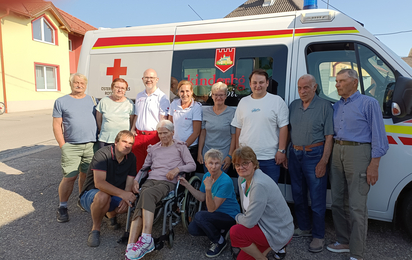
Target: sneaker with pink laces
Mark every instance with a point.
(128, 248)
(140, 249)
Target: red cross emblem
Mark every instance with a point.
(116, 70)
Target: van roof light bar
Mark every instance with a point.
(317, 17)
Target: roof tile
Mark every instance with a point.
(33, 7)
(76, 25)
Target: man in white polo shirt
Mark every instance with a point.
(261, 122)
(152, 106)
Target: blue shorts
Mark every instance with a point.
(88, 196)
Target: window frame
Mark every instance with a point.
(57, 76)
(70, 45)
(359, 63)
(44, 19)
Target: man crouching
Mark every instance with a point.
(108, 186)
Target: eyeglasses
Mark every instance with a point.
(219, 95)
(119, 88)
(149, 78)
(243, 164)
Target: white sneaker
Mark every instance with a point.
(140, 249)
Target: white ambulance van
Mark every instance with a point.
(286, 45)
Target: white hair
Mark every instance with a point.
(214, 154)
(166, 124)
(219, 86)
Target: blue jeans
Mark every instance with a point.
(270, 168)
(302, 166)
(210, 224)
(88, 196)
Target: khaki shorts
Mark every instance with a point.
(75, 158)
(151, 193)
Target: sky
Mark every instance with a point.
(378, 16)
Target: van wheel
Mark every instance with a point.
(407, 212)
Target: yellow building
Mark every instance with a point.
(39, 48)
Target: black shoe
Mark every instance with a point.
(112, 223)
(62, 215)
(216, 249)
(280, 254)
(80, 205)
(94, 238)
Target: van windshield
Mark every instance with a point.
(232, 66)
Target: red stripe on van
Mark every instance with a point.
(228, 35)
(391, 140)
(312, 30)
(409, 121)
(113, 41)
(406, 140)
(162, 39)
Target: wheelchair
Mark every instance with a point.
(178, 206)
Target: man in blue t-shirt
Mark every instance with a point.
(222, 207)
(74, 127)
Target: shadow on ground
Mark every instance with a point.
(29, 230)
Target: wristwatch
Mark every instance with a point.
(282, 151)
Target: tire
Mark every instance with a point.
(2, 108)
(171, 239)
(190, 205)
(407, 212)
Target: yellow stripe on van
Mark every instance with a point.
(399, 129)
(237, 39)
(326, 33)
(132, 45)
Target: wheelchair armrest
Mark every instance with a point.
(181, 174)
(145, 173)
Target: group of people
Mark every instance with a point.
(169, 138)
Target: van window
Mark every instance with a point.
(325, 60)
(199, 67)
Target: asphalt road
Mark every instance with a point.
(29, 178)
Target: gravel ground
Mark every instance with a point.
(29, 230)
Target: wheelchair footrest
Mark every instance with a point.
(160, 241)
(124, 238)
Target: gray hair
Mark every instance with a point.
(311, 77)
(166, 124)
(214, 154)
(71, 79)
(351, 73)
(219, 86)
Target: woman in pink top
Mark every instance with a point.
(166, 159)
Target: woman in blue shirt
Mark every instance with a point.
(222, 207)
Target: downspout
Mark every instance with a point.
(3, 74)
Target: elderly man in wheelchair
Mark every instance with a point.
(166, 159)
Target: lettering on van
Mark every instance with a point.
(225, 59)
(108, 90)
(232, 81)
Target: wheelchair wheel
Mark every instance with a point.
(171, 239)
(190, 204)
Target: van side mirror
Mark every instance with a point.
(402, 97)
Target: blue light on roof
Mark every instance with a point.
(310, 4)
